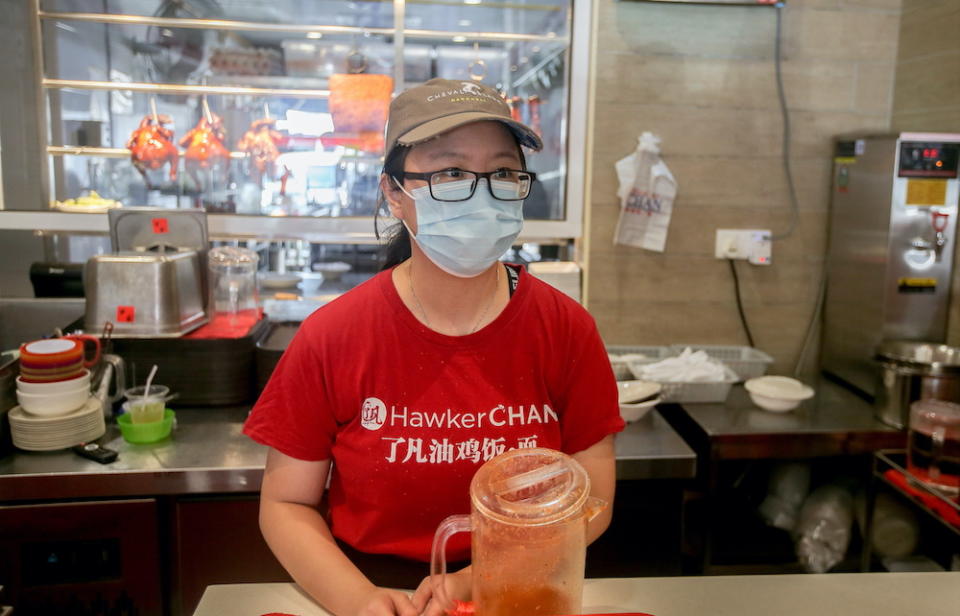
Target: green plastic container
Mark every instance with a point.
(142, 433)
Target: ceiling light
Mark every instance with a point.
(314, 35)
(459, 39)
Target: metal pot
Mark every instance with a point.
(913, 371)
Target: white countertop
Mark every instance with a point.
(846, 594)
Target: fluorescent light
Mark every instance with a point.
(471, 1)
(314, 35)
(463, 23)
(459, 39)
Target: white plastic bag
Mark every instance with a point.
(824, 527)
(647, 190)
(787, 488)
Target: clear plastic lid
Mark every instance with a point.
(232, 256)
(530, 487)
(940, 411)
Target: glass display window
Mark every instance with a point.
(277, 109)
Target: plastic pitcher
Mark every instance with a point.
(529, 514)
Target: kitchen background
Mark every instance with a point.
(702, 78)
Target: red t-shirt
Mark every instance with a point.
(407, 415)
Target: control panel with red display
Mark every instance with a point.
(929, 160)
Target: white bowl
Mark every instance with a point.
(55, 387)
(272, 280)
(638, 410)
(635, 390)
(777, 393)
(53, 404)
(332, 271)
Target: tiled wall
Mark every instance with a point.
(702, 78)
(927, 93)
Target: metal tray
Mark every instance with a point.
(273, 341)
(203, 371)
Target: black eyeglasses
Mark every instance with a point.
(459, 185)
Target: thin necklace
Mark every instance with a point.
(426, 319)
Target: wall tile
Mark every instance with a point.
(777, 331)
(842, 35)
(945, 120)
(644, 276)
(652, 29)
(888, 5)
(928, 82)
(812, 85)
(746, 182)
(873, 92)
(722, 132)
(928, 26)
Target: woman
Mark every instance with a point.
(407, 384)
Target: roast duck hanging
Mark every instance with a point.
(204, 146)
(260, 143)
(151, 146)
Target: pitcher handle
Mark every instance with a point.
(438, 558)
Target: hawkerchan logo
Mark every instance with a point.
(373, 413)
(471, 88)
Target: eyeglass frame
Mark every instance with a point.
(473, 189)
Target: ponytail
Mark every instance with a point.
(396, 250)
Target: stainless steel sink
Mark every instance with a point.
(24, 319)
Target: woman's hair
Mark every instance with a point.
(397, 248)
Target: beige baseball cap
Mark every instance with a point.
(425, 111)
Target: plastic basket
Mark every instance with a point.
(653, 354)
(714, 391)
(746, 362)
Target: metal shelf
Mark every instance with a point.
(894, 460)
(253, 26)
(80, 150)
(169, 88)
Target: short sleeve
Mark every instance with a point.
(591, 411)
(293, 414)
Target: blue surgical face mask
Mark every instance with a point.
(464, 238)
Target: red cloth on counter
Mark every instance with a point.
(945, 511)
(228, 325)
(408, 415)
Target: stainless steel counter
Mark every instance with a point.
(834, 422)
(651, 449)
(208, 454)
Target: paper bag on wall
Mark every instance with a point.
(647, 190)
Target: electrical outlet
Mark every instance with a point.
(754, 245)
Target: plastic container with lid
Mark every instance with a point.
(233, 283)
(934, 444)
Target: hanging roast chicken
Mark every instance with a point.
(260, 143)
(151, 146)
(204, 146)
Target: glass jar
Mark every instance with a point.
(234, 296)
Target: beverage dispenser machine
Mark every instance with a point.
(893, 220)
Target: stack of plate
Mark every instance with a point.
(34, 433)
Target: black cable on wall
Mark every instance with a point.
(736, 289)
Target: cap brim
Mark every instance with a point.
(428, 130)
